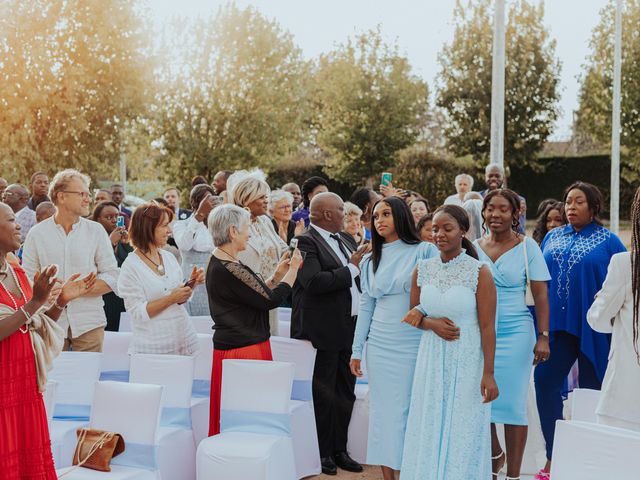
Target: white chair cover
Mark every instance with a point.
(115, 356)
(588, 451)
(49, 397)
(255, 441)
(359, 425)
(303, 423)
(125, 322)
(131, 410)
(201, 387)
(584, 402)
(76, 374)
(202, 323)
(176, 452)
(284, 322)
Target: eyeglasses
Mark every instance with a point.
(84, 195)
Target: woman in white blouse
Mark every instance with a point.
(153, 288)
(613, 312)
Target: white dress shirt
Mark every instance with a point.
(621, 384)
(169, 332)
(355, 271)
(26, 218)
(190, 234)
(84, 250)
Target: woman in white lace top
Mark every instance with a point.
(153, 289)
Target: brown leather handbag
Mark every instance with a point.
(96, 448)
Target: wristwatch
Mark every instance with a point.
(544, 333)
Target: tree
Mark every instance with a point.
(531, 82)
(232, 96)
(368, 106)
(72, 75)
(596, 90)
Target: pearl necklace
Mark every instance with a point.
(24, 328)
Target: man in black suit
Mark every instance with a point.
(325, 303)
(172, 196)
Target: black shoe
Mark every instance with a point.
(345, 462)
(328, 466)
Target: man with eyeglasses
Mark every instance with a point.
(75, 245)
(17, 196)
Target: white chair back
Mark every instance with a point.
(125, 322)
(132, 410)
(202, 367)
(284, 322)
(76, 374)
(115, 356)
(202, 323)
(175, 373)
(588, 451)
(302, 354)
(49, 397)
(583, 404)
(255, 396)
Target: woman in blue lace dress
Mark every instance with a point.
(392, 346)
(448, 427)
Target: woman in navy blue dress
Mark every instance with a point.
(578, 256)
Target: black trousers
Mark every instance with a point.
(333, 398)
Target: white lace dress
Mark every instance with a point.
(447, 435)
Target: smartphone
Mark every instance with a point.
(120, 221)
(292, 246)
(386, 178)
(190, 283)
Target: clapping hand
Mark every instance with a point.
(299, 227)
(43, 283)
(75, 287)
(197, 277)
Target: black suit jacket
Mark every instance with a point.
(321, 295)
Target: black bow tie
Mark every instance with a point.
(343, 248)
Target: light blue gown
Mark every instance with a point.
(515, 335)
(448, 427)
(392, 346)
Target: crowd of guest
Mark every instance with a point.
(454, 306)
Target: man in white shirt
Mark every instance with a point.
(76, 245)
(464, 184)
(17, 196)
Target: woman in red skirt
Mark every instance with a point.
(25, 448)
(239, 300)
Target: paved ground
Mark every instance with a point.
(373, 473)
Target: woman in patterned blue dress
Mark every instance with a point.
(392, 346)
(448, 427)
(578, 256)
(517, 346)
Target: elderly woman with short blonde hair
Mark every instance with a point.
(352, 223)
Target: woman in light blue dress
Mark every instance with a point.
(392, 345)
(518, 346)
(448, 426)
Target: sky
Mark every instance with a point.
(420, 28)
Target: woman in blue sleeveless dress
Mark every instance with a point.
(518, 347)
(448, 427)
(392, 347)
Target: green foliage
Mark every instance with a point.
(531, 82)
(596, 91)
(73, 75)
(232, 95)
(368, 107)
(430, 174)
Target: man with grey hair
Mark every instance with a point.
(75, 245)
(17, 196)
(325, 307)
(494, 177)
(464, 184)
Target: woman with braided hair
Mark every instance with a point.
(616, 310)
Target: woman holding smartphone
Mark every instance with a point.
(152, 286)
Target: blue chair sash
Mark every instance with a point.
(138, 455)
(362, 381)
(201, 388)
(302, 390)
(115, 376)
(255, 422)
(72, 412)
(176, 417)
